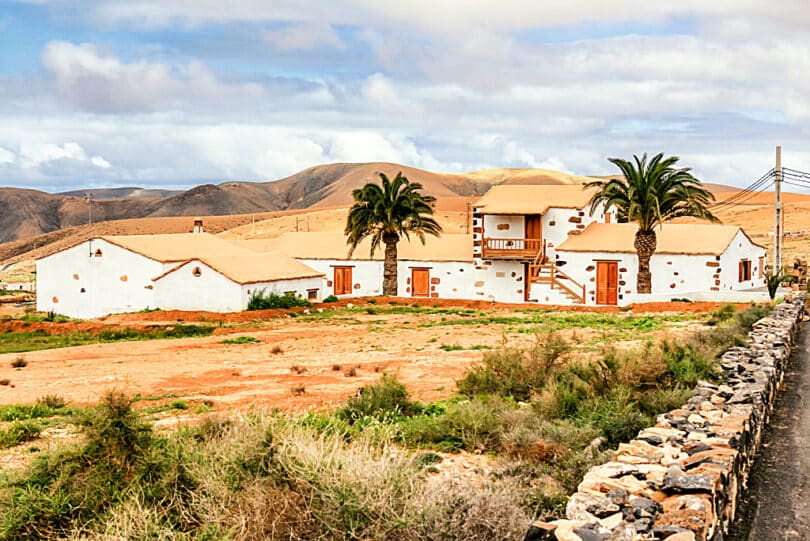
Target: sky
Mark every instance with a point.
(174, 93)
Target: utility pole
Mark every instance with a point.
(778, 228)
(89, 198)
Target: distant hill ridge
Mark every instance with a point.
(26, 213)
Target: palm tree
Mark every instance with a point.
(386, 213)
(651, 193)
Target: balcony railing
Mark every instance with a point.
(511, 248)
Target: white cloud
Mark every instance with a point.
(6, 156)
(97, 81)
(303, 36)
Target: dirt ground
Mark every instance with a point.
(301, 363)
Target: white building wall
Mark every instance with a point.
(742, 248)
(499, 280)
(673, 275)
(559, 224)
(366, 275)
(448, 279)
(504, 226)
(116, 282)
(210, 291)
(300, 287)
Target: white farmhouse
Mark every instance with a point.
(116, 274)
(441, 268)
(699, 261)
(516, 232)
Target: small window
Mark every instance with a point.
(312, 294)
(197, 272)
(98, 252)
(124, 278)
(745, 270)
(75, 276)
(55, 300)
(289, 293)
(81, 290)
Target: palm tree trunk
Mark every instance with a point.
(645, 245)
(390, 265)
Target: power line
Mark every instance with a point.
(747, 193)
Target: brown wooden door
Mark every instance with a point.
(534, 226)
(607, 281)
(420, 282)
(342, 283)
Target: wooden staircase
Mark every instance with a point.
(541, 272)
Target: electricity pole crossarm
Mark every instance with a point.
(779, 220)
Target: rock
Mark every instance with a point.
(682, 536)
(541, 531)
(676, 481)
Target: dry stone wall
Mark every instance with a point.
(680, 480)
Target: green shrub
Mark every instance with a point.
(773, 281)
(241, 340)
(514, 371)
(261, 300)
(330, 298)
(384, 399)
(474, 424)
(687, 365)
(19, 432)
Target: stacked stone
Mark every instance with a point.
(680, 479)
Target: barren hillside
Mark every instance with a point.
(26, 213)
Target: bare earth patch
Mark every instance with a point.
(295, 365)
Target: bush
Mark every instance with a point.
(241, 340)
(52, 401)
(19, 362)
(687, 365)
(261, 300)
(19, 432)
(330, 298)
(773, 281)
(385, 399)
(475, 424)
(516, 372)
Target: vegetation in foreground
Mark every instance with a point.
(18, 342)
(363, 471)
(261, 300)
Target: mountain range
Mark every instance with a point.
(26, 213)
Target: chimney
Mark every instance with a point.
(198, 226)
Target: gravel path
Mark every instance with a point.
(777, 503)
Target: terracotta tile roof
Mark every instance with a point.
(241, 265)
(533, 199)
(318, 245)
(688, 239)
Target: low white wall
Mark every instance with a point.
(118, 281)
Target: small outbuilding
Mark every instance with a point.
(117, 274)
(697, 261)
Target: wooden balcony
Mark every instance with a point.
(511, 248)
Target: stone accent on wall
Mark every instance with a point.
(682, 478)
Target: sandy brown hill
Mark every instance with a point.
(26, 213)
